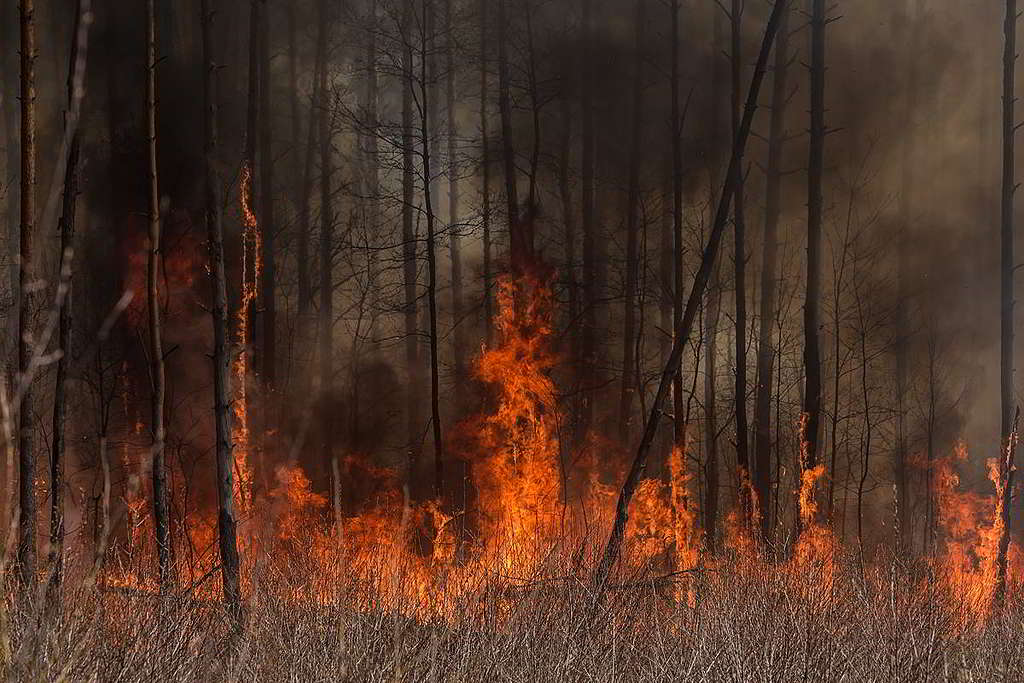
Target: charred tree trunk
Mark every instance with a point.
(1008, 432)
(26, 444)
(712, 314)
(373, 170)
(611, 552)
(226, 522)
(568, 214)
(329, 456)
(740, 263)
(161, 495)
(267, 222)
(454, 246)
(485, 172)
(304, 284)
(815, 205)
(902, 323)
(425, 122)
(75, 87)
(766, 349)
(409, 249)
(520, 232)
(628, 382)
(588, 342)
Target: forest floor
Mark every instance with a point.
(734, 622)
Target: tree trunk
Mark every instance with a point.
(485, 171)
(267, 222)
(425, 123)
(588, 345)
(75, 90)
(26, 445)
(611, 552)
(740, 263)
(712, 313)
(454, 247)
(329, 456)
(373, 170)
(161, 495)
(1008, 432)
(305, 175)
(409, 249)
(628, 383)
(520, 231)
(815, 202)
(902, 323)
(226, 522)
(766, 350)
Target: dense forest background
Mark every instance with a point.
(377, 166)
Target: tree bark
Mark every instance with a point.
(1008, 433)
(485, 172)
(902, 323)
(426, 108)
(766, 349)
(66, 228)
(454, 246)
(740, 263)
(678, 410)
(520, 231)
(588, 344)
(26, 445)
(226, 523)
(161, 495)
(329, 456)
(612, 548)
(304, 174)
(815, 205)
(628, 381)
(267, 223)
(409, 251)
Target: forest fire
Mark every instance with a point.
(461, 340)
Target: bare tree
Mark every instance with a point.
(226, 522)
(66, 225)
(629, 382)
(1008, 433)
(267, 223)
(766, 345)
(161, 495)
(26, 444)
(815, 205)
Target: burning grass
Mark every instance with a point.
(893, 623)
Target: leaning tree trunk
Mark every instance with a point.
(520, 231)
(769, 281)
(227, 525)
(267, 223)
(1008, 432)
(812, 300)
(75, 88)
(161, 495)
(26, 453)
(614, 544)
(628, 381)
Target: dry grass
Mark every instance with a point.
(759, 624)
